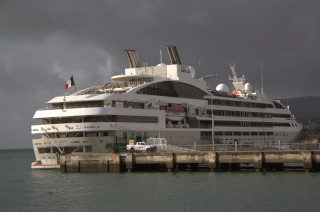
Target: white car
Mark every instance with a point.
(141, 146)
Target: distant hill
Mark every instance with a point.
(305, 109)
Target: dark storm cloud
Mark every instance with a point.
(18, 103)
(43, 42)
(281, 34)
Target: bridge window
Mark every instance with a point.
(173, 89)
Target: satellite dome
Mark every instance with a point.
(222, 87)
(161, 64)
(248, 87)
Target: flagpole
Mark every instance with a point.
(75, 87)
(71, 83)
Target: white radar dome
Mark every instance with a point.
(248, 87)
(222, 87)
(161, 64)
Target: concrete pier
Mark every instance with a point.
(210, 160)
(170, 161)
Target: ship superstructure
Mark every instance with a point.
(159, 101)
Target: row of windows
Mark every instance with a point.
(77, 105)
(208, 124)
(235, 136)
(66, 150)
(246, 114)
(237, 133)
(173, 89)
(232, 103)
(108, 118)
(106, 103)
(76, 134)
(137, 136)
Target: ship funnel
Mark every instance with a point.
(173, 54)
(132, 58)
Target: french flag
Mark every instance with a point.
(69, 83)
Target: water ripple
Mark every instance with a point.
(23, 189)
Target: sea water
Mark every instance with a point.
(24, 189)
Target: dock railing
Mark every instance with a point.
(252, 147)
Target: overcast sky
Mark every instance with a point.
(43, 43)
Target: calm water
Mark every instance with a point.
(23, 189)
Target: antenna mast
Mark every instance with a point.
(233, 69)
(238, 82)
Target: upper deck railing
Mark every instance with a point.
(134, 105)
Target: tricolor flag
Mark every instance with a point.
(69, 83)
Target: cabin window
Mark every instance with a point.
(124, 135)
(131, 135)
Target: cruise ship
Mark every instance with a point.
(165, 101)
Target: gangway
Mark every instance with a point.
(163, 146)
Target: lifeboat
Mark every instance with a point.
(174, 112)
